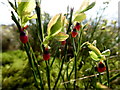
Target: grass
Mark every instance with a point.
(17, 73)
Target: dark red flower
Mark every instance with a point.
(74, 33)
(63, 42)
(23, 37)
(101, 67)
(77, 26)
(46, 55)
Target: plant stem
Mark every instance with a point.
(100, 80)
(70, 20)
(36, 64)
(54, 56)
(65, 50)
(40, 31)
(112, 78)
(75, 62)
(59, 74)
(63, 80)
(48, 73)
(107, 71)
(31, 64)
(16, 21)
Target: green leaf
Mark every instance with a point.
(94, 49)
(88, 7)
(106, 52)
(94, 56)
(27, 18)
(32, 17)
(61, 36)
(101, 86)
(55, 25)
(83, 6)
(25, 7)
(80, 17)
(102, 57)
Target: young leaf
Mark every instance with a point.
(55, 25)
(32, 17)
(27, 18)
(106, 52)
(25, 7)
(84, 5)
(102, 57)
(88, 7)
(93, 56)
(80, 17)
(94, 49)
(101, 86)
(61, 36)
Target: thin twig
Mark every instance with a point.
(88, 76)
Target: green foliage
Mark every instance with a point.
(80, 17)
(93, 55)
(85, 6)
(89, 7)
(61, 36)
(55, 25)
(16, 72)
(106, 52)
(23, 10)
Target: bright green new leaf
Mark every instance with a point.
(94, 56)
(80, 17)
(84, 5)
(32, 17)
(102, 57)
(27, 18)
(88, 7)
(101, 86)
(106, 52)
(61, 36)
(25, 7)
(55, 25)
(94, 49)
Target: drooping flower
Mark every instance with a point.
(77, 26)
(74, 33)
(101, 67)
(46, 54)
(23, 37)
(63, 42)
